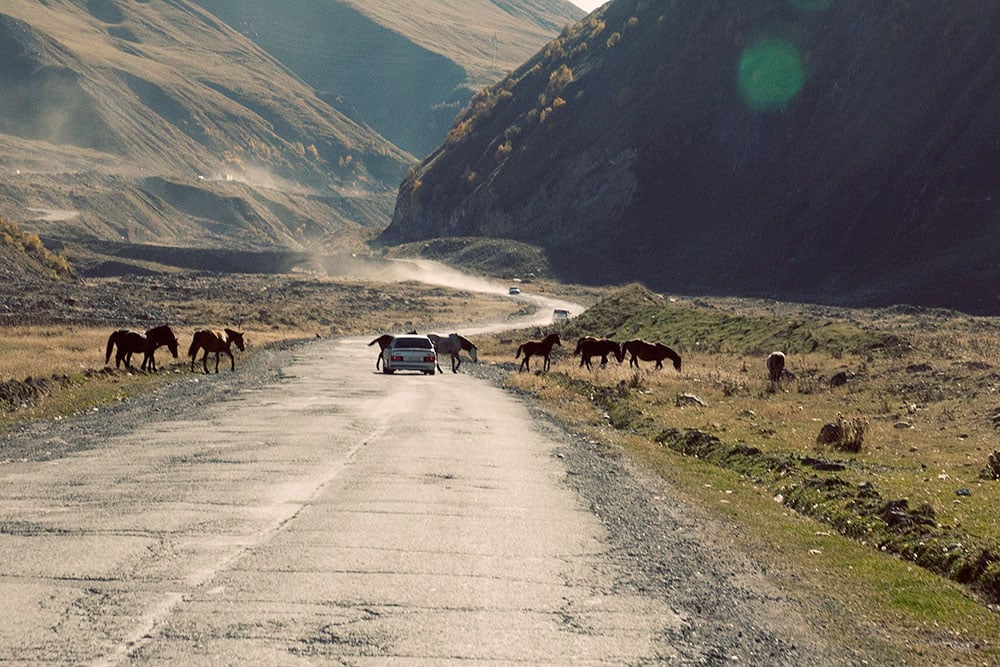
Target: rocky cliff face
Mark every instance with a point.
(843, 152)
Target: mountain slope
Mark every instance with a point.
(156, 122)
(23, 256)
(404, 67)
(843, 152)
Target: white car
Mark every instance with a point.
(514, 290)
(409, 353)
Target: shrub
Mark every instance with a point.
(846, 435)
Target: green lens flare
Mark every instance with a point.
(770, 75)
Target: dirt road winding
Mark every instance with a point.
(314, 510)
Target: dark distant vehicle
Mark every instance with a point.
(560, 315)
(409, 353)
(514, 290)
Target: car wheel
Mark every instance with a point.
(388, 371)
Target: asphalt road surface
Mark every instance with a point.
(314, 511)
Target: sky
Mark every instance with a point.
(588, 5)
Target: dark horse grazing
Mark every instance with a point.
(775, 365)
(588, 347)
(640, 349)
(452, 345)
(218, 342)
(130, 342)
(537, 347)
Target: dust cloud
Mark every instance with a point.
(538, 308)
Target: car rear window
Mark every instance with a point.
(412, 341)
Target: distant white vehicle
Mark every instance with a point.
(514, 290)
(560, 315)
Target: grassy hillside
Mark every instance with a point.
(24, 256)
(156, 122)
(403, 68)
(835, 152)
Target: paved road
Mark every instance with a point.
(336, 513)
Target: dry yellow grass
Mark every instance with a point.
(266, 308)
(40, 351)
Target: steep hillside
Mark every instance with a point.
(404, 67)
(24, 257)
(156, 122)
(843, 152)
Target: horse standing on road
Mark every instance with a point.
(537, 347)
(215, 341)
(589, 347)
(640, 349)
(383, 342)
(452, 345)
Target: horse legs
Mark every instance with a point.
(659, 363)
(545, 365)
(232, 361)
(456, 361)
(525, 366)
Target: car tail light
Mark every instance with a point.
(429, 358)
(396, 357)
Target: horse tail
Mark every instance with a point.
(519, 348)
(111, 345)
(193, 350)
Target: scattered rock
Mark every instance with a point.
(689, 399)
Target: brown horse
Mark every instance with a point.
(640, 349)
(452, 345)
(775, 365)
(537, 347)
(383, 342)
(588, 347)
(215, 341)
(129, 342)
